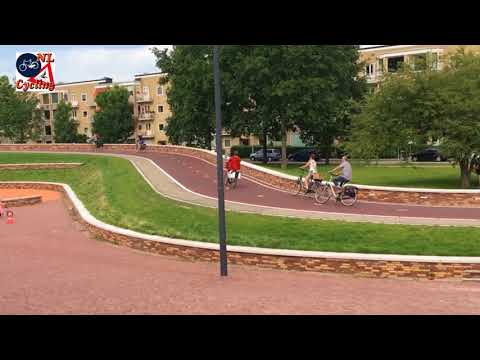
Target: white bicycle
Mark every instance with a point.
(29, 64)
(347, 195)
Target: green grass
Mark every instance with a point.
(441, 177)
(114, 192)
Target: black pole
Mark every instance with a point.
(220, 186)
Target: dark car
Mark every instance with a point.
(303, 155)
(429, 155)
(272, 155)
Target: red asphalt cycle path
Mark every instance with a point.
(200, 177)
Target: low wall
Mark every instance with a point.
(427, 197)
(21, 201)
(391, 266)
(39, 166)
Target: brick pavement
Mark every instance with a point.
(49, 265)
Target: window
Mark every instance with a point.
(245, 142)
(369, 70)
(65, 97)
(145, 91)
(395, 63)
(380, 66)
(74, 114)
(53, 114)
(160, 127)
(48, 130)
(130, 93)
(160, 108)
(435, 61)
(54, 98)
(139, 127)
(162, 143)
(84, 97)
(85, 114)
(73, 97)
(227, 143)
(46, 99)
(47, 114)
(419, 61)
(160, 90)
(147, 126)
(85, 130)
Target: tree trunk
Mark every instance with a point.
(464, 174)
(209, 140)
(264, 147)
(284, 147)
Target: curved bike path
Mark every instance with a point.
(193, 180)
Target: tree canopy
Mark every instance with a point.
(20, 120)
(114, 122)
(65, 127)
(266, 90)
(415, 107)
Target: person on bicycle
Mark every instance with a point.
(140, 143)
(312, 170)
(233, 163)
(346, 174)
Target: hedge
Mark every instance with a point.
(245, 151)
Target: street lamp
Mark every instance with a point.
(220, 186)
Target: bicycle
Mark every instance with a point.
(232, 178)
(313, 186)
(347, 196)
(28, 64)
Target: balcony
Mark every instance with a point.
(141, 98)
(146, 116)
(74, 104)
(92, 103)
(146, 134)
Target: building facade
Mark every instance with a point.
(147, 96)
(381, 60)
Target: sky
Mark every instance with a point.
(79, 63)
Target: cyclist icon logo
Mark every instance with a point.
(28, 65)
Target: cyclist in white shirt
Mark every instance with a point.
(312, 169)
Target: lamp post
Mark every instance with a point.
(220, 185)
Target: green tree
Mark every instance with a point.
(266, 90)
(188, 70)
(20, 120)
(64, 125)
(114, 122)
(415, 107)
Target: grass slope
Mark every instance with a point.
(114, 192)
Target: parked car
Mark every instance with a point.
(272, 155)
(429, 155)
(303, 155)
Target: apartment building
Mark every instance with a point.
(384, 59)
(148, 99)
(151, 108)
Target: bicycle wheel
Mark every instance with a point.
(298, 187)
(322, 194)
(234, 183)
(22, 67)
(349, 195)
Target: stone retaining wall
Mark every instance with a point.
(21, 201)
(362, 267)
(284, 182)
(39, 166)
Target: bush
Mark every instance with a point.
(81, 138)
(245, 151)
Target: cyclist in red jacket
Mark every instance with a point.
(233, 164)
